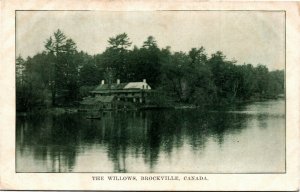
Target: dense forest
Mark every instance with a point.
(61, 75)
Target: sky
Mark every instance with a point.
(256, 37)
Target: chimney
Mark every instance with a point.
(144, 80)
(118, 81)
(102, 82)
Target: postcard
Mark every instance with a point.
(149, 95)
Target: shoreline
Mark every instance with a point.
(177, 106)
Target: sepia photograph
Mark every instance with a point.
(150, 92)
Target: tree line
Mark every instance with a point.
(61, 75)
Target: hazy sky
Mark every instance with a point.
(247, 36)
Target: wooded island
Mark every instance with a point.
(61, 76)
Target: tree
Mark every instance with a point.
(115, 56)
(20, 67)
(261, 75)
(149, 62)
(198, 56)
(32, 89)
(65, 70)
(174, 74)
(150, 42)
(121, 42)
(275, 83)
(247, 81)
(89, 75)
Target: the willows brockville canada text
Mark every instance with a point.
(150, 178)
(63, 77)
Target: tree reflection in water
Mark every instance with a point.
(59, 139)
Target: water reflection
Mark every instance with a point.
(139, 141)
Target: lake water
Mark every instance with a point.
(249, 138)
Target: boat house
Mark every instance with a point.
(118, 95)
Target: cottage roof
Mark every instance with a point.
(104, 99)
(88, 101)
(122, 86)
(113, 86)
(137, 85)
